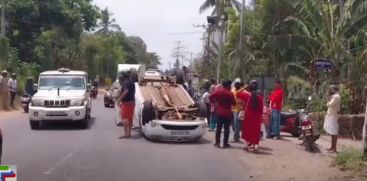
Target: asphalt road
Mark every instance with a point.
(63, 152)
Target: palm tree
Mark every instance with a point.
(107, 25)
(219, 6)
(320, 32)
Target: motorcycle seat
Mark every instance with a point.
(288, 114)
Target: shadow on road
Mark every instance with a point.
(198, 142)
(65, 125)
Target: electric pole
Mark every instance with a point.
(206, 56)
(3, 23)
(241, 32)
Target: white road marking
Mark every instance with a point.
(50, 170)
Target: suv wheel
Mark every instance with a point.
(34, 124)
(84, 123)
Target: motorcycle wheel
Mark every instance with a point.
(309, 143)
(26, 109)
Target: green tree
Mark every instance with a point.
(107, 24)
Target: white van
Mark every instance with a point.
(61, 95)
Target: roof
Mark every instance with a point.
(127, 67)
(71, 72)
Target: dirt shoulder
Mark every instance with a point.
(287, 160)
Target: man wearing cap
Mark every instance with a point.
(4, 91)
(12, 89)
(236, 123)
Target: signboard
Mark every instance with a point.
(323, 64)
(264, 82)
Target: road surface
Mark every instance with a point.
(63, 152)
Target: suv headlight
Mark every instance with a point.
(77, 102)
(37, 102)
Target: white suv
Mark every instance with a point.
(61, 95)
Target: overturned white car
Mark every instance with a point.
(164, 111)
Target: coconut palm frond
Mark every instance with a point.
(206, 5)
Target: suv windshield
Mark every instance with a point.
(67, 82)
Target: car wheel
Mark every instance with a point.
(84, 123)
(134, 75)
(295, 133)
(34, 124)
(148, 112)
(203, 112)
(106, 105)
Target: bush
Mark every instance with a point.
(349, 158)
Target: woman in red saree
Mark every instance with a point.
(253, 110)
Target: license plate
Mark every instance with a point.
(56, 113)
(306, 127)
(180, 132)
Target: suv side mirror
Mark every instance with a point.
(35, 86)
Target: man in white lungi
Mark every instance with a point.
(331, 125)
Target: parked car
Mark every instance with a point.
(110, 94)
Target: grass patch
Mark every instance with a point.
(350, 158)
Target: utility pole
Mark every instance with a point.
(241, 32)
(208, 29)
(3, 23)
(220, 27)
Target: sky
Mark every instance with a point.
(161, 23)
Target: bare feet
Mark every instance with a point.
(123, 137)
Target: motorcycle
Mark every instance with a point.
(93, 92)
(298, 123)
(25, 101)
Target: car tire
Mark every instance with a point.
(180, 77)
(34, 124)
(106, 105)
(203, 112)
(148, 112)
(84, 123)
(134, 75)
(295, 133)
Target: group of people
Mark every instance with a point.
(8, 90)
(242, 107)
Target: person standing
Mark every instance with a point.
(206, 101)
(236, 123)
(224, 100)
(28, 87)
(4, 90)
(331, 125)
(276, 102)
(253, 114)
(127, 103)
(12, 89)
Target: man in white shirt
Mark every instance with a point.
(12, 89)
(4, 91)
